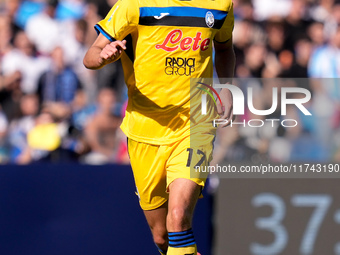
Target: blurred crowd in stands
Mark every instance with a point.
(53, 109)
(275, 40)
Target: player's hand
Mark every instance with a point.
(112, 52)
(226, 110)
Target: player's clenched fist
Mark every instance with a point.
(112, 51)
(103, 52)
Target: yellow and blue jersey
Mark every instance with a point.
(168, 43)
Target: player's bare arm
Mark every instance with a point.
(225, 66)
(103, 52)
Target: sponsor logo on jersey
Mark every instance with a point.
(175, 40)
(180, 66)
(162, 15)
(209, 19)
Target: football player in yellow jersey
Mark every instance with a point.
(163, 44)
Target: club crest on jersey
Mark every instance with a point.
(209, 19)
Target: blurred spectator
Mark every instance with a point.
(23, 59)
(276, 35)
(106, 140)
(323, 10)
(75, 48)
(255, 57)
(265, 9)
(296, 23)
(92, 18)
(44, 138)
(316, 33)
(82, 112)
(325, 60)
(44, 30)
(26, 10)
(70, 9)
(299, 68)
(59, 83)
(112, 76)
(19, 128)
(245, 34)
(244, 10)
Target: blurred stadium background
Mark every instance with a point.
(57, 119)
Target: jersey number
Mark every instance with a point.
(200, 162)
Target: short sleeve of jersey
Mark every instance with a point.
(224, 34)
(120, 21)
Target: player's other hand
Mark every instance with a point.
(226, 110)
(112, 51)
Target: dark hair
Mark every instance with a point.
(53, 3)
